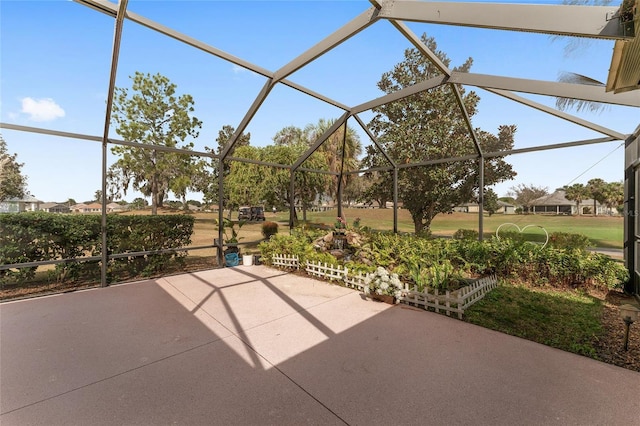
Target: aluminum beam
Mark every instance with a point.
(417, 42)
(467, 120)
(110, 9)
(557, 113)
(401, 94)
(81, 136)
(347, 31)
(266, 89)
(375, 141)
(339, 122)
(548, 88)
(115, 54)
(581, 21)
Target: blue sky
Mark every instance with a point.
(54, 73)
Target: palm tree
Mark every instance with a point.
(578, 193)
(596, 187)
(332, 149)
(613, 195)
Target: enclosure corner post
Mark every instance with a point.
(292, 201)
(220, 210)
(481, 198)
(395, 199)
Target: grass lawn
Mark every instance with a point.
(565, 320)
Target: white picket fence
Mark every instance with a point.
(285, 261)
(448, 301)
(328, 272)
(356, 282)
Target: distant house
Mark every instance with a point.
(55, 208)
(87, 208)
(28, 203)
(557, 203)
(504, 208)
(114, 208)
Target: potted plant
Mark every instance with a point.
(383, 286)
(230, 242)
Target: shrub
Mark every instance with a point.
(466, 234)
(40, 236)
(269, 229)
(565, 240)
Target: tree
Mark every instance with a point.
(153, 115)
(139, 203)
(613, 195)
(244, 184)
(427, 126)
(491, 204)
(13, 184)
(578, 193)
(209, 180)
(307, 185)
(334, 150)
(596, 188)
(526, 194)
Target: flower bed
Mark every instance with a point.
(383, 283)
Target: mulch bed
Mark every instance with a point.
(610, 347)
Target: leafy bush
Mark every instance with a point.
(297, 244)
(269, 229)
(40, 236)
(442, 263)
(466, 234)
(565, 240)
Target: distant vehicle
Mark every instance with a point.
(252, 214)
(257, 213)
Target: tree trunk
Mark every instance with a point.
(595, 212)
(154, 197)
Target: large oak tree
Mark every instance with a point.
(427, 126)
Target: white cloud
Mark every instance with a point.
(237, 69)
(41, 109)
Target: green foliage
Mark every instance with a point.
(466, 234)
(426, 126)
(578, 193)
(298, 244)
(490, 203)
(269, 229)
(230, 231)
(147, 233)
(154, 116)
(13, 183)
(39, 236)
(565, 240)
(444, 263)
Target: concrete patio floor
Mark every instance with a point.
(254, 345)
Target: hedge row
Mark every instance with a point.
(39, 236)
(437, 262)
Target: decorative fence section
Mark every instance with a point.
(447, 301)
(329, 272)
(356, 282)
(285, 261)
(476, 291)
(450, 302)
